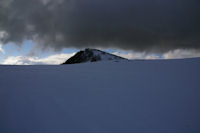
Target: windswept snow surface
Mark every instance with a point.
(161, 96)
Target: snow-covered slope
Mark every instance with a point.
(104, 97)
(92, 55)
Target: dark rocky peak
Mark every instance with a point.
(92, 55)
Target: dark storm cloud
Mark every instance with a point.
(144, 25)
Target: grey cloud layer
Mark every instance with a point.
(143, 25)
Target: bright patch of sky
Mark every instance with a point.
(15, 52)
(12, 49)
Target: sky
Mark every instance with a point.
(49, 31)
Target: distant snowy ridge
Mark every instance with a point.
(92, 55)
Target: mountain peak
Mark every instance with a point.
(92, 55)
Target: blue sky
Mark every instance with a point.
(24, 49)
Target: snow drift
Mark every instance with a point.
(160, 96)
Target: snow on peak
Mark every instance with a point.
(92, 55)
